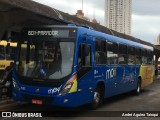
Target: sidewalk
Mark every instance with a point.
(157, 77)
(6, 101)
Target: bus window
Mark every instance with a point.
(122, 58)
(138, 56)
(32, 52)
(2, 56)
(150, 57)
(100, 52)
(144, 56)
(131, 55)
(112, 53)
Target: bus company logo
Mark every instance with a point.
(6, 114)
(54, 90)
(110, 73)
(20, 115)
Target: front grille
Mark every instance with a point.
(45, 99)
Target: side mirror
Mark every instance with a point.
(84, 50)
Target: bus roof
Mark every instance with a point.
(109, 37)
(88, 31)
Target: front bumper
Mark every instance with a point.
(67, 100)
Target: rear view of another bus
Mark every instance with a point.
(7, 52)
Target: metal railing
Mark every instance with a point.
(4, 92)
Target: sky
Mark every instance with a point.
(145, 14)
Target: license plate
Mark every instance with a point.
(39, 102)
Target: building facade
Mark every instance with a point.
(118, 15)
(157, 41)
(80, 15)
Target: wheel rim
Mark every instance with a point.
(96, 97)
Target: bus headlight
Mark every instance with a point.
(15, 85)
(70, 86)
(66, 89)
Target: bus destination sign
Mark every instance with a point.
(57, 33)
(43, 33)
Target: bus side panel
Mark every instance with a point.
(130, 77)
(126, 78)
(85, 90)
(111, 81)
(146, 73)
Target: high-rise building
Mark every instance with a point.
(118, 15)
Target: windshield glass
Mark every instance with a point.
(2, 56)
(45, 59)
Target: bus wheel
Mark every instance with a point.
(138, 89)
(98, 98)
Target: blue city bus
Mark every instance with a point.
(72, 65)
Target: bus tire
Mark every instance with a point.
(98, 98)
(138, 88)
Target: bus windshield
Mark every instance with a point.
(45, 59)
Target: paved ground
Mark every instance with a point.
(148, 100)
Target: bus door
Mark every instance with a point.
(85, 71)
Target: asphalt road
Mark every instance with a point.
(113, 108)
